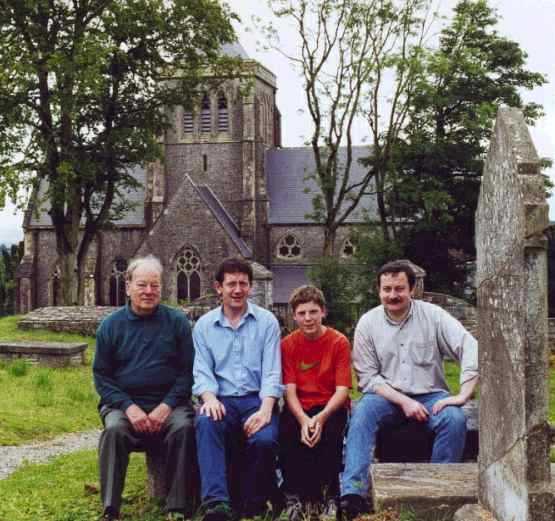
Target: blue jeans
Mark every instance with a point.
(214, 442)
(373, 412)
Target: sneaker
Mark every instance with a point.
(329, 511)
(218, 511)
(293, 510)
(352, 506)
(175, 516)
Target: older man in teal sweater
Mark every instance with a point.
(143, 374)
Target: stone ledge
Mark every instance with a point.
(427, 487)
(52, 354)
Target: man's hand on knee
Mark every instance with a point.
(158, 416)
(444, 402)
(138, 418)
(255, 422)
(212, 407)
(415, 410)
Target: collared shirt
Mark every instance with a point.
(238, 361)
(408, 355)
(144, 360)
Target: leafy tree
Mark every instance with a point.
(9, 260)
(82, 100)
(337, 281)
(351, 53)
(439, 165)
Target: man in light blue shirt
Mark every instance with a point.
(237, 375)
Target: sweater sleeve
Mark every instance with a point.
(106, 386)
(181, 389)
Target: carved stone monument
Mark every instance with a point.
(512, 215)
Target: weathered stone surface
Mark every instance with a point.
(438, 488)
(73, 319)
(473, 513)
(51, 354)
(511, 277)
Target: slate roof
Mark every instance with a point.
(286, 169)
(286, 279)
(222, 216)
(135, 216)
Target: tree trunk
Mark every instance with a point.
(329, 241)
(69, 278)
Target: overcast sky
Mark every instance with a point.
(529, 22)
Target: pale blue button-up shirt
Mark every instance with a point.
(240, 361)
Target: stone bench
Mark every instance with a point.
(51, 354)
(412, 442)
(431, 491)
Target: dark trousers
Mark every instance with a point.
(118, 439)
(216, 440)
(312, 473)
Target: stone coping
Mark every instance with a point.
(427, 487)
(47, 348)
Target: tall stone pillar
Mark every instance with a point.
(512, 215)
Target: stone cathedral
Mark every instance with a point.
(225, 187)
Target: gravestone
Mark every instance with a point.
(513, 465)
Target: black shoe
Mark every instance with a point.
(218, 511)
(352, 506)
(109, 515)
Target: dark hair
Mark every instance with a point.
(233, 265)
(307, 293)
(395, 267)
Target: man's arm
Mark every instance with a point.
(465, 392)
(107, 387)
(205, 385)
(411, 408)
(367, 367)
(270, 384)
(181, 389)
(103, 371)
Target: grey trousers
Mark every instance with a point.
(118, 439)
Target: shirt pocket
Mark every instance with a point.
(422, 353)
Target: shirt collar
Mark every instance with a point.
(221, 320)
(131, 315)
(401, 323)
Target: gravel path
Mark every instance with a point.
(13, 456)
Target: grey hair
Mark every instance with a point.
(137, 262)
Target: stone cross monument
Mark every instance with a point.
(512, 215)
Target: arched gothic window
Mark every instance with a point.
(289, 247)
(188, 275)
(348, 248)
(223, 114)
(205, 115)
(188, 122)
(118, 295)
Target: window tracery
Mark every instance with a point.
(289, 247)
(188, 275)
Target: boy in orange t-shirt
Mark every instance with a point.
(316, 362)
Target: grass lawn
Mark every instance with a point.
(66, 489)
(42, 402)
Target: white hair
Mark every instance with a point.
(149, 260)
